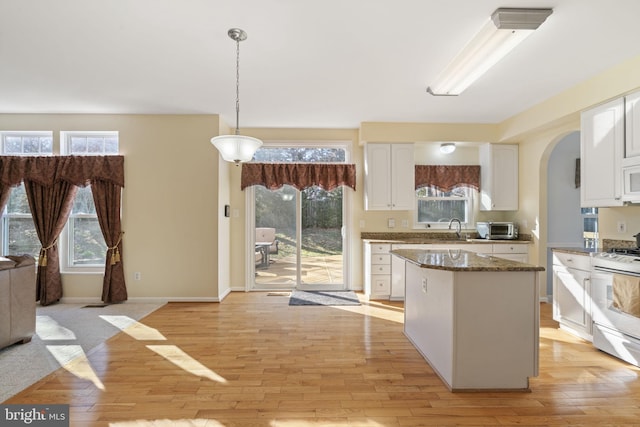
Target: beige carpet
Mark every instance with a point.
(63, 332)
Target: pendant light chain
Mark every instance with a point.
(238, 87)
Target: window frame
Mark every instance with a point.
(5, 216)
(65, 242)
(471, 207)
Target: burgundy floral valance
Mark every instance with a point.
(299, 175)
(76, 170)
(447, 177)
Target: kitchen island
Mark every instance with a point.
(473, 317)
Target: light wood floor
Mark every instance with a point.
(254, 361)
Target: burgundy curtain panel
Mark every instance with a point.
(107, 197)
(50, 208)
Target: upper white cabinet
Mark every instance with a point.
(602, 142)
(389, 177)
(631, 160)
(632, 130)
(498, 177)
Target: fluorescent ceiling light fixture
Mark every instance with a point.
(504, 31)
(237, 148)
(447, 147)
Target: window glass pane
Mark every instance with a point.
(83, 203)
(46, 144)
(88, 244)
(300, 154)
(31, 145)
(78, 145)
(435, 205)
(22, 237)
(441, 210)
(13, 145)
(111, 145)
(18, 203)
(95, 145)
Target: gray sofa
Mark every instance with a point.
(17, 299)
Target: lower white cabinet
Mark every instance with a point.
(572, 293)
(511, 251)
(461, 323)
(377, 270)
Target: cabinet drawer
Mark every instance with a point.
(580, 262)
(380, 248)
(381, 269)
(380, 285)
(377, 259)
(510, 248)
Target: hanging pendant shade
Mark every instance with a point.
(237, 148)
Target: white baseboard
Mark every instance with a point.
(142, 300)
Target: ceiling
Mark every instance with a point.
(305, 64)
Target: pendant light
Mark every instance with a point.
(237, 148)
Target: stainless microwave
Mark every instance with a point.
(497, 230)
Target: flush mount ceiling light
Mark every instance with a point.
(237, 148)
(506, 29)
(447, 147)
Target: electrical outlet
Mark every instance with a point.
(362, 223)
(137, 276)
(391, 223)
(424, 285)
(405, 223)
(622, 227)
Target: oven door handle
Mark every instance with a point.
(614, 271)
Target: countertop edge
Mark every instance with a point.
(501, 263)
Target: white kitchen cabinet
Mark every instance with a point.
(478, 330)
(601, 151)
(632, 129)
(512, 251)
(498, 177)
(377, 270)
(389, 177)
(571, 293)
(631, 160)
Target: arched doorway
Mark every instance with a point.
(565, 221)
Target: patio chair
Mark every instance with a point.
(267, 235)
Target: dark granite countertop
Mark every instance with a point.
(460, 260)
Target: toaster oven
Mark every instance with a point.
(497, 230)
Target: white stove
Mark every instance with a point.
(618, 260)
(614, 331)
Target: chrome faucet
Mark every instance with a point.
(458, 228)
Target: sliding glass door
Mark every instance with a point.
(299, 237)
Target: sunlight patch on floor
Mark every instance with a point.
(182, 360)
(134, 329)
(73, 359)
(50, 330)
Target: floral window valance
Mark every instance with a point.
(447, 177)
(47, 170)
(299, 175)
